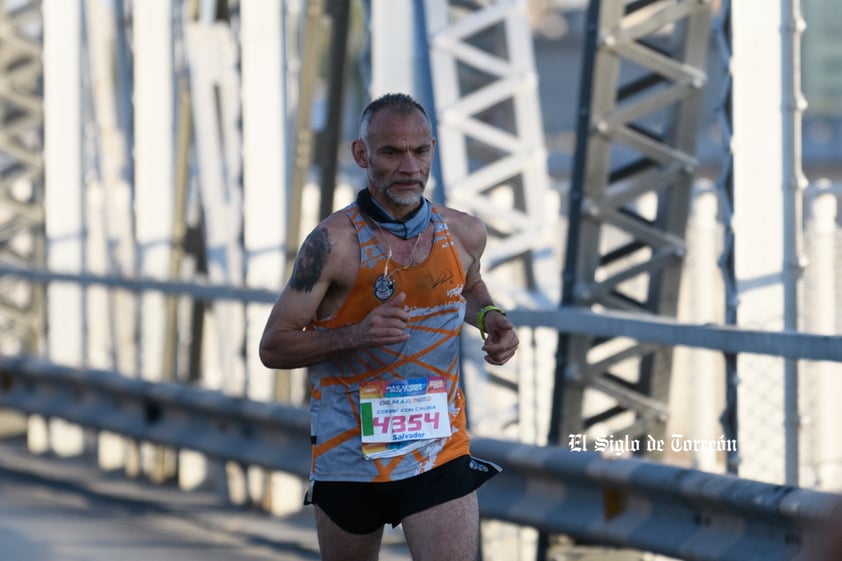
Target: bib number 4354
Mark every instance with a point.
(385, 423)
(397, 424)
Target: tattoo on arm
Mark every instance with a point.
(311, 261)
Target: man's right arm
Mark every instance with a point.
(289, 341)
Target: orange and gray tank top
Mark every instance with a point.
(436, 307)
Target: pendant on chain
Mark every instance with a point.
(384, 287)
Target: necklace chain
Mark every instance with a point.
(384, 285)
(386, 273)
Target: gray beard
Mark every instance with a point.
(410, 200)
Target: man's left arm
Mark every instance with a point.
(499, 335)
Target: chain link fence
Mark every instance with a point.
(699, 375)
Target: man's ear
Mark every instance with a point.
(358, 150)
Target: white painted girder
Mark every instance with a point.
(212, 54)
(514, 82)
(64, 195)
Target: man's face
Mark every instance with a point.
(397, 158)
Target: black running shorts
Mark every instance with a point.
(361, 508)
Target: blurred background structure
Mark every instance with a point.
(660, 180)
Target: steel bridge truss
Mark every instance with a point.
(642, 81)
(491, 139)
(21, 173)
(494, 165)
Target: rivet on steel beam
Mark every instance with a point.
(589, 208)
(599, 126)
(607, 41)
(573, 374)
(583, 293)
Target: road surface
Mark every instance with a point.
(60, 509)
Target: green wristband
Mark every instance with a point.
(481, 318)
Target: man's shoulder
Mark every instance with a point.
(337, 223)
(335, 241)
(337, 230)
(453, 215)
(465, 226)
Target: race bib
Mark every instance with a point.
(399, 411)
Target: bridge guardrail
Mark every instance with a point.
(634, 503)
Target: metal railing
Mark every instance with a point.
(634, 503)
(657, 330)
